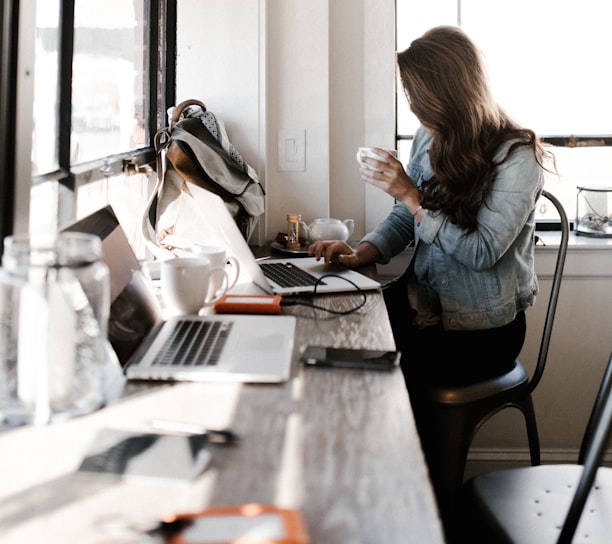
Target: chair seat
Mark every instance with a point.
(504, 501)
(494, 387)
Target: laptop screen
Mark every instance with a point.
(134, 307)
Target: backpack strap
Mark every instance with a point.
(179, 108)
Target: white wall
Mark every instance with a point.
(579, 350)
(362, 103)
(298, 98)
(221, 61)
(325, 67)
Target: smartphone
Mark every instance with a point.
(350, 358)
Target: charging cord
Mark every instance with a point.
(317, 307)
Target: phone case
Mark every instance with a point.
(245, 524)
(248, 304)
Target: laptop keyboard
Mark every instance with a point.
(288, 275)
(194, 343)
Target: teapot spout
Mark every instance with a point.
(305, 230)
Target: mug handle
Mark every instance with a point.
(233, 262)
(222, 290)
(350, 224)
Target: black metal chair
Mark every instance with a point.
(546, 504)
(456, 413)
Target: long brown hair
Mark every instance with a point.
(445, 81)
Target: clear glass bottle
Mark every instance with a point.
(60, 290)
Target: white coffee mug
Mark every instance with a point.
(363, 152)
(219, 258)
(187, 284)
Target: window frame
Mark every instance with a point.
(160, 93)
(9, 20)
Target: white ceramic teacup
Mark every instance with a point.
(363, 152)
(187, 284)
(219, 258)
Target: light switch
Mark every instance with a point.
(291, 150)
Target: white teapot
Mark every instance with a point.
(327, 229)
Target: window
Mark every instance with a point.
(545, 61)
(101, 85)
(8, 71)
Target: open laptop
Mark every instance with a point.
(238, 348)
(219, 228)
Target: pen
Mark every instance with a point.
(223, 436)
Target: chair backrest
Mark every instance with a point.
(596, 438)
(554, 292)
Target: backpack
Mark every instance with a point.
(194, 150)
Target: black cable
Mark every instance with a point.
(317, 307)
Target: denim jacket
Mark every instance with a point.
(476, 280)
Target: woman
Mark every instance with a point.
(467, 200)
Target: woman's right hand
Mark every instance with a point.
(334, 251)
(390, 176)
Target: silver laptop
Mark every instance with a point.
(237, 348)
(219, 228)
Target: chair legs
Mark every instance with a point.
(446, 433)
(532, 429)
(446, 438)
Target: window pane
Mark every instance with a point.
(547, 61)
(127, 195)
(109, 74)
(577, 167)
(43, 213)
(412, 21)
(45, 106)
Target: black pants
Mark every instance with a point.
(435, 356)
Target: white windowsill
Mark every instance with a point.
(587, 256)
(576, 241)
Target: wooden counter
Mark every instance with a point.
(339, 445)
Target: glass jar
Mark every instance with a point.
(12, 409)
(55, 340)
(594, 211)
